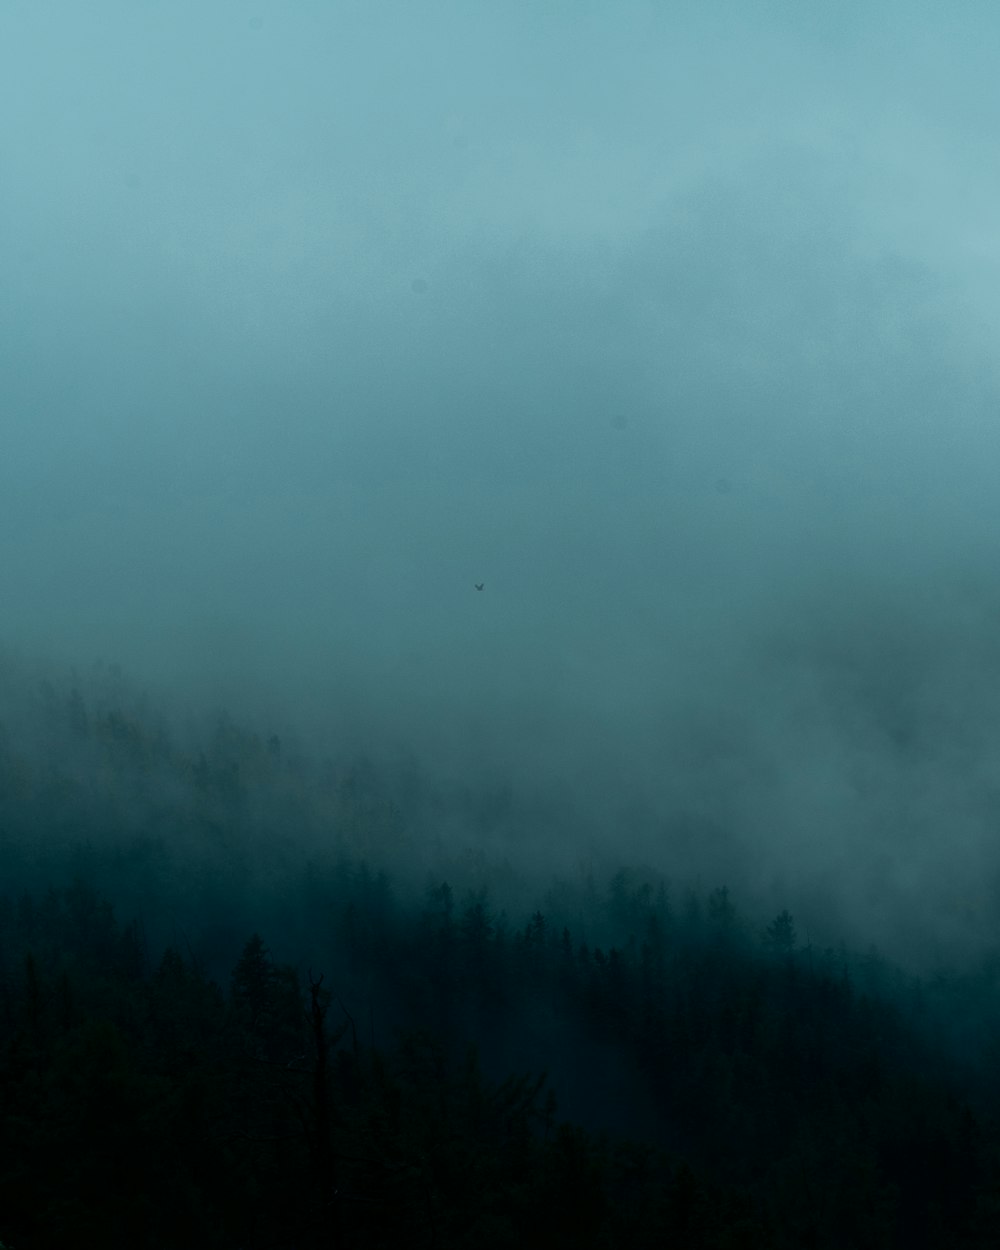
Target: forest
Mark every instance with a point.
(499, 546)
(241, 1007)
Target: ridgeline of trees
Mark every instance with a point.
(612, 1067)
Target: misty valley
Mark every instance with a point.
(499, 625)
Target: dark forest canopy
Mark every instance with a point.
(257, 986)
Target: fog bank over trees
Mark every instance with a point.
(674, 329)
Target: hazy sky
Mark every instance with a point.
(674, 324)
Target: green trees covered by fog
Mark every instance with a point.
(219, 1029)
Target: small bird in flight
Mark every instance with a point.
(480, 585)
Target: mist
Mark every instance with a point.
(673, 327)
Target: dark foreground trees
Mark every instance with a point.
(716, 1092)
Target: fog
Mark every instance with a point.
(671, 325)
